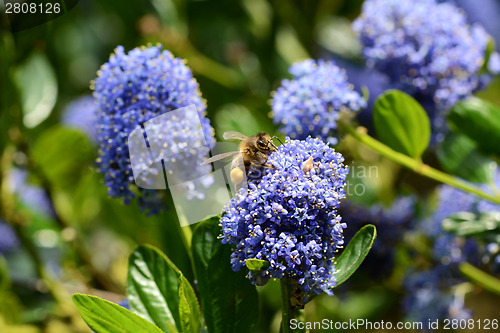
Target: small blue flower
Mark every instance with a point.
(130, 90)
(310, 103)
(31, 195)
(8, 238)
(427, 49)
(289, 217)
(81, 114)
(125, 303)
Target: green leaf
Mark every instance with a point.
(256, 264)
(36, 81)
(230, 302)
(401, 123)
(4, 276)
(107, 317)
(480, 121)
(355, 252)
(63, 154)
(481, 278)
(459, 156)
(468, 224)
(189, 309)
(158, 292)
(490, 48)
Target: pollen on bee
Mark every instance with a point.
(236, 176)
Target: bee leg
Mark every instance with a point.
(263, 164)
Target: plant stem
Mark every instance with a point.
(416, 165)
(288, 312)
(481, 278)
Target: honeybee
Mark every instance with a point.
(253, 151)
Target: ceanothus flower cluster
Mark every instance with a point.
(430, 291)
(430, 297)
(289, 217)
(131, 89)
(310, 103)
(427, 49)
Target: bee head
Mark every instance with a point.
(264, 142)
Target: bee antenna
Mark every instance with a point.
(276, 137)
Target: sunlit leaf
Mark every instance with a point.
(256, 264)
(469, 224)
(37, 85)
(107, 317)
(158, 291)
(355, 252)
(401, 123)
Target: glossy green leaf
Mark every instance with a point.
(37, 85)
(459, 156)
(480, 121)
(159, 292)
(106, 317)
(355, 252)
(256, 264)
(469, 224)
(189, 309)
(229, 301)
(401, 123)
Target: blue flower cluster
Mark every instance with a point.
(427, 49)
(130, 90)
(486, 14)
(310, 103)
(391, 222)
(430, 298)
(81, 114)
(432, 289)
(289, 217)
(450, 249)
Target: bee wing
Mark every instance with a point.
(238, 162)
(220, 157)
(233, 135)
